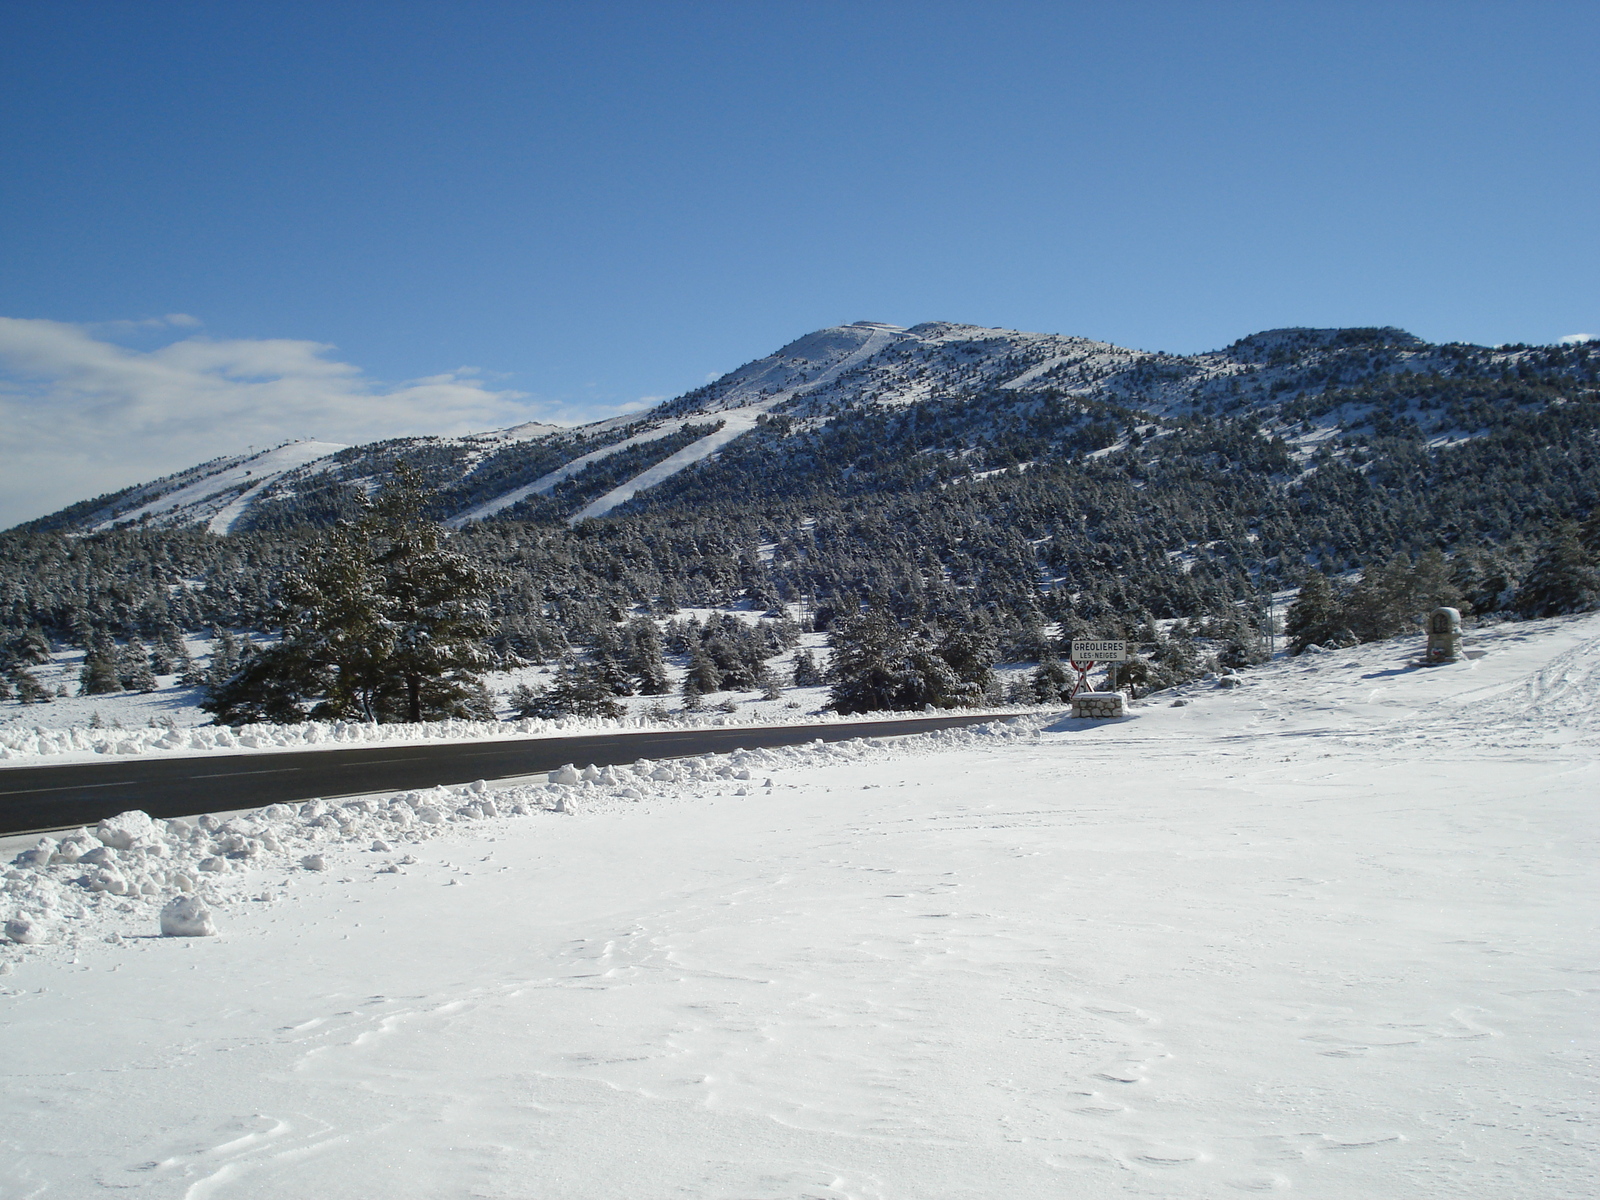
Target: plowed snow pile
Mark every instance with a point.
(1331, 931)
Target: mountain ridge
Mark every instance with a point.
(588, 471)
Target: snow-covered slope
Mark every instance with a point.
(214, 493)
(547, 482)
(827, 356)
(1329, 933)
(823, 376)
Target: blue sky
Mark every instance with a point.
(431, 217)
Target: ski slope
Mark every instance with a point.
(226, 487)
(546, 483)
(736, 421)
(1331, 933)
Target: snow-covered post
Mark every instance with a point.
(1444, 636)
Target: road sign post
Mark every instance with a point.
(1088, 652)
(1099, 650)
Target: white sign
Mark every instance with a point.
(1085, 650)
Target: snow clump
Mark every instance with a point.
(186, 916)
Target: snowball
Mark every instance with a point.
(27, 931)
(125, 830)
(186, 916)
(314, 862)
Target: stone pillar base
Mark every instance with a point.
(1099, 705)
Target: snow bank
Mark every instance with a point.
(18, 746)
(131, 869)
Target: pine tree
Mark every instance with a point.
(29, 689)
(578, 691)
(100, 675)
(767, 681)
(1564, 579)
(971, 655)
(133, 667)
(645, 659)
(1316, 617)
(878, 665)
(703, 673)
(524, 700)
(436, 613)
(385, 624)
(32, 647)
(806, 672)
(224, 658)
(1051, 682)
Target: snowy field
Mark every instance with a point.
(168, 721)
(1331, 933)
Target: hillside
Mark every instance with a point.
(1015, 483)
(1058, 395)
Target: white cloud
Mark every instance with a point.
(1574, 339)
(146, 324)
(82, 415)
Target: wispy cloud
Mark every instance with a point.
(1573, 339)
(83, 415)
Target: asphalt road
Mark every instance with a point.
(62, 797)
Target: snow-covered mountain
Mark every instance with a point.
(547, 472)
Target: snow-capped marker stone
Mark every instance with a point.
(186, 916)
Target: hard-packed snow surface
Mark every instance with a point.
(1328, 932)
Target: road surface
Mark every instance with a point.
(62, 797)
